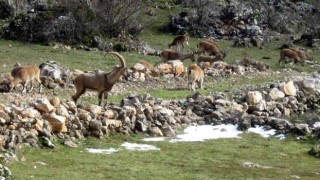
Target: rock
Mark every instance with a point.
(62, 111)
(5, 173)
(277, 113)
(55, 101)
(164, 68)
(30, 113)
(130, 111)
(139, 67)
(301, 129)
(38, 125)
(71, 144)
(57, 122)
(311, 85)
(109, 114)
(167, 131)
(221, 102)
(275, 94)
(244, 124)
(46, 142)
(94, 109)
(165, 111)
(43, 105)
(155, 132)
(3, 140)
(112, 124)
(95, 125)
(142, 125)
(84, 115)
(289, 89)
(4, 115)
(253, 97)
(279, 124)
(315, 151)
(177, 67)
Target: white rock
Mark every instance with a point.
(275, 94)
(254, 97)
(289, 89)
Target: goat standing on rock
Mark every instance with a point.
(101, 82)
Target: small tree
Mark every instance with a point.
(118, 17)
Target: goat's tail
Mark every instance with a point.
(123, 62)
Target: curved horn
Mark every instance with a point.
(123, 62)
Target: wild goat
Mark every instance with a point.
(209, 59)
(302, 54)
(168, 54)
(195, 75)
(205, 46)
(101, 82)
(24, 75)
(181, 40)
(210, 40)
(288, 53)
(146, 64)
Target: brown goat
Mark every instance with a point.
(181, 40)
(168, 54)
(146, 64)
(195, 75)
(302, 54)
(24, 75)
(308, 57)
(210, 40)
(205, 46)
(288, 53)
(101, 82)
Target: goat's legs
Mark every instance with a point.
(24, 89)
(106, 98)
(78, 94)
(100, 97)
(31, 88)
(200, 84)
(40, 84)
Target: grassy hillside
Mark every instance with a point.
(215, 159)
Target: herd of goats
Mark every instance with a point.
(103, 82)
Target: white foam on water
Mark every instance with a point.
(139, 147)
(102, 151)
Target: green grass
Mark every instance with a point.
(215, 159)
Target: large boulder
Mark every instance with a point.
(289, 89)
(254, 97)
(57, 122)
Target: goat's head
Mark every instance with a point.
(125, 74)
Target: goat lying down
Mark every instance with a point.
(101, 82)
